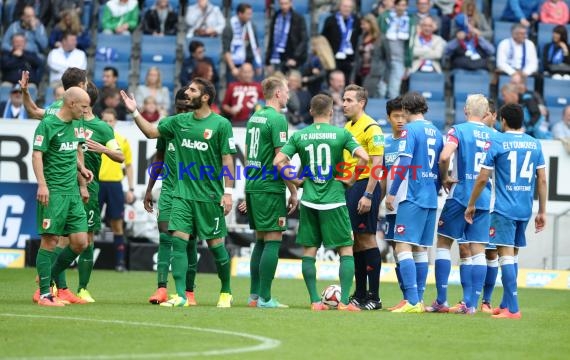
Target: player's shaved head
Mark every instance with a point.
(75, 94)
(321, 105)
(476, 105)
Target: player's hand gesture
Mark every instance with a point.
(43, 194)
(448, 183)
(227, 203)
(129, 100)
(84, 194)
(242, 207)
(390, 202)
(539, 222)
(24, 80)
(469, 212)
(87, 174)
(147, 202)
(292, 204)
(364, 205)
(95, 146)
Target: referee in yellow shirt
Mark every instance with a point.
(363, 199)
(111, 189)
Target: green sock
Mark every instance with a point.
(43, 267)
(64, 259)
(346, 274)
(222, 259)
(163, 263)
(85, 266)
(192, 251)
(267, 267)
(61, 280)
(179, 265)
(310, 277)
(254, 266)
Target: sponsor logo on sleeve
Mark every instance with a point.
(39, 140)
(378, 140)
(232, 143)
(283, 136)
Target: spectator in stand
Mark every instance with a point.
(517, 53)
(13, 108)
(65, 56)
(197, 53)
(13, 61)
(242, 96)
(111, 98)
(561, 130)
(120, 17)
(555, 55)
(239, 42)
(472, 21)
(369, 66)
(43, 10)
(288, 39)
(399, 30)
(424, 8)
(320, 63)
(299, 100)
(521, 11)
(110, 78)
(61, 6)
(337, 82)
(554, 12)
(342, 30)
(205, 69)
(534, 123)
(382, 5)
(447, 10)
(33, 30)
(150, 110)
(428, 48)
(160, 20)
(153, 87)
(468, 51)
(58, 91)
(70, 23)
(204, 19)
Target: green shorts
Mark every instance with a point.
(64, 215)
(93, 212)
(204, 220)
(266, 211)
(165, 205)
(329, 227)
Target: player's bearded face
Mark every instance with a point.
(195, 103)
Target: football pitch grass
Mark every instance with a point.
(123, 325)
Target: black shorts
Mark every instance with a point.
(111, 194)
(365, 223)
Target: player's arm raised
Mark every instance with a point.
(228, 163)
(146, 127)
(32, 109)
(38, 165)
(541, 187)
(444, 160)
(480, 183)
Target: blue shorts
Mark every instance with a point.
(414, 225)
(452, 224)
(365, 223)
(507, 232)
(111, 194)
(389, 228)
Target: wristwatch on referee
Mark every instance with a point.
(367, 195)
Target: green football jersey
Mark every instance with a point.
(199, 145)
(101, 132)
(54, 107)
(58, 141)
(266, 130)
(320, 148)
(169, 150)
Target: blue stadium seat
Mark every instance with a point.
(459, 116)
(556, 92)
(436, 113)
(48, 98)
(122, 67)
(376, 108)
(366, 6)
(166, 73)
(212, 45)
(162, 50)
(555, 114)
(497, 8)
(430, 85)
(505, 79)
(87, 14)
(121, 45)
(502, 30)
(470, 82)
(259, 23)
(321, 21)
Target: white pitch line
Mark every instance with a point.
(265, 342)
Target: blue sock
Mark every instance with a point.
(490, 279)
(421, 260)
(119, 243)
(442, 270)
(465, 276)
(408, 272)
(399, 276)
(509, 282)
(478, 274)
(516, 265)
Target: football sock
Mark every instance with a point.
(478, 273)
(516, 265)
(163, 262)
(64, 259)
(179, 263)
(85, 266)
(408, 272)
(43, 267)
(222, 259)
(345, 274)
(373, 267)
(360, 274)
(192, 252)
(399, 276)
(119, 243)
(509, 282)
(442, 270)
(310, 276)
(490, 279)
(254, 266)
(421, 260)
(267, 267)
(60, 280)
(465, 277)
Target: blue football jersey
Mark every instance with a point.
(515, 157)
(472, 139)
(422, 142)
(391, 151)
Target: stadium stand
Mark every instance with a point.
(556, 92)
(166, 73)
(470, 82)
(430, 85)
(158, 51)
(437, 113)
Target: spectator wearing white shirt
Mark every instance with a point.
(561, 130)
(517, 53)
(67, 55)
(204, 19)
